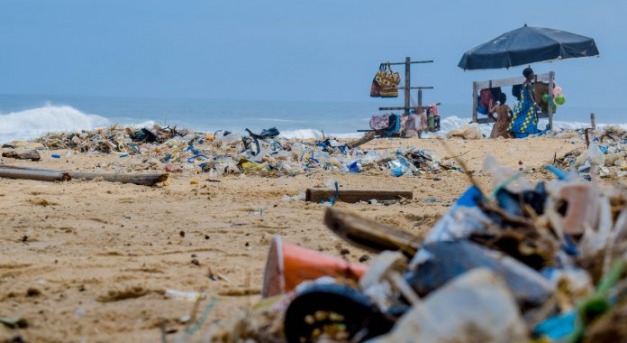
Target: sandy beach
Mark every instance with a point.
(90, 261)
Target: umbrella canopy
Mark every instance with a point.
(527, 45)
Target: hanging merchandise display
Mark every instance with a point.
(385, 82)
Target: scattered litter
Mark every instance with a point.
(228, 153)
(183, 295)
(605, 155)
(543, 262)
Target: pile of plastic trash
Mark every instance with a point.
(521, 262)
(605, 155)
(225, 152)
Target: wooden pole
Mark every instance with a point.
(420, 99)
(475, 102)
(593, 121)
(407, 83)
(353, 196)
(550, 107)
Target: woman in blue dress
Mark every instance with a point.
(525, 115)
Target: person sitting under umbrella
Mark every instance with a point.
(525, 116)
(503, 120)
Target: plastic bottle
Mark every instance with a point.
(396, 168)
(595, 155)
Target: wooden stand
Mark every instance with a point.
(479, 85)
(407, 88)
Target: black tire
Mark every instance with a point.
(359, 314)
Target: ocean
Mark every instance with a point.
(24, 117)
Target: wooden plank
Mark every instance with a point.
(391, 108)
(138, 179)
(368, 234)
(418, 87)
(545, 77)
(353, 196)
(413, 62)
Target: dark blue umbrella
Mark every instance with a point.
(527, 45)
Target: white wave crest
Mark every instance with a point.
(302, 134)
(32, 123)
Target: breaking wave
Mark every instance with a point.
(35, 122)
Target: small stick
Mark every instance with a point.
(402, 285)
(456, 156)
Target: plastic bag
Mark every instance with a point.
(451, 314)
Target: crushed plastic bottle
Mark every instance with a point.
(354, 167)
(595, 155)
(396, 168)
(401, 166)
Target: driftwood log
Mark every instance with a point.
(353, 196)
(32, 155)
(368, 234)
(363, 140)
(15, 172)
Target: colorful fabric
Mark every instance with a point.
(525, 119)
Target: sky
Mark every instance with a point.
(317, 50)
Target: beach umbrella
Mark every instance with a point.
(527, 45)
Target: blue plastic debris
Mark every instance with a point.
(557, 328)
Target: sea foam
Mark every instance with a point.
(35, 122)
